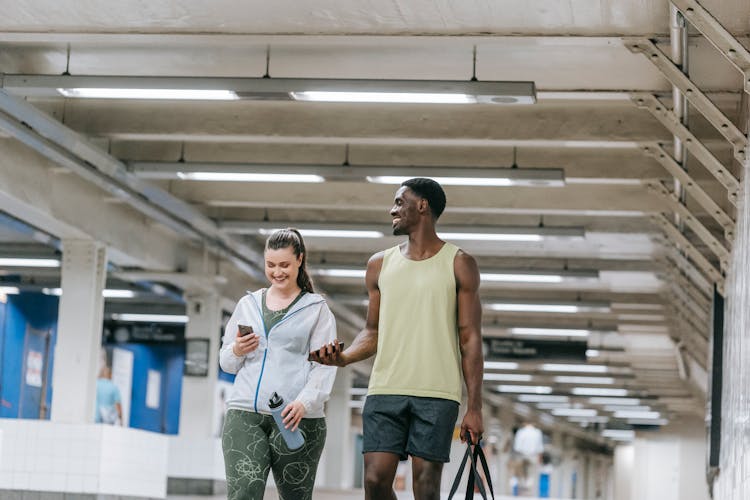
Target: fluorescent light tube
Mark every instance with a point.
(341, 273)
(615, 401)
(490, 236)
(448, 181)
(107, 293)
(584, 380)
(550, 332)
(598, 391)
(592, 353)
(383, 97)
(542, 398)
(619, 434)
(551, 406)
(150, 318)
(550, 308)
(20, 262)
(642, 415)
(166, 94)
(249, 177)
(332, 233)
(554, 367)
(587, 420)
(508, 377)
(638, 421)
(523, 278)
(9, 290)
(500, 365)
(614, 408)
(574, 412)
(536, 389)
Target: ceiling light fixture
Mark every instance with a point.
(163, 94)
(535, 389)
(598, 391)
(22, 262)
(500, 365)
(9, 290)
(641, 415)
(456, 176)
(561, 308)
(584, 380)
(615, 401)
(555, 367)
(619, 434)
(107, 293)
(150, 318)
(542, 398)
(574, 412)
(508, 377)
(549, 332)
(248, 177)
(477, 233)
(278, 89)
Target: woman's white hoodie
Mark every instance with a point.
(280, 364)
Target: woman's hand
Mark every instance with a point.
(245, 344)
(293, 414)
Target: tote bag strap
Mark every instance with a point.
(471, 456)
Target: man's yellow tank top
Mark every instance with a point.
(418, 350)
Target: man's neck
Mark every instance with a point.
(422, 244)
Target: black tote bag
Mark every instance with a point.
(473, 455)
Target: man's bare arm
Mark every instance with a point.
(470, 341)
(366, 342)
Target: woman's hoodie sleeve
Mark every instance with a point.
(319, 384)
(228, 361)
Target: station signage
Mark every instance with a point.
(533, 349)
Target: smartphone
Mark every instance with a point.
(340, 349)
(245, 330)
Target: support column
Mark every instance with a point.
(198, 410)
(79, 331)
(196, 463)
(338, 459)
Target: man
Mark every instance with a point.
(108, 405)
(423, 321)
(528, 445)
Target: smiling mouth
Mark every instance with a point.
(396, 220)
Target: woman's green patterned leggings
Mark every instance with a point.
(253, 445)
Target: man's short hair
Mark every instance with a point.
(430, 191)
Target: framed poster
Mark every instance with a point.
(196, 357)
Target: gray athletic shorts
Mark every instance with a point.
(409, 425)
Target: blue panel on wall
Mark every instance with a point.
(168, 361)
(27, 317)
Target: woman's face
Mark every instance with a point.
(282, 268)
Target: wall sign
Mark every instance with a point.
(512, 348)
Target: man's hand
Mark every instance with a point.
(329, 354)
(245, 344)
(472, 424)
(293, 414)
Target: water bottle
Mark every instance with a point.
(294, 439)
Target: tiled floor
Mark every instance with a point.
(334, 495)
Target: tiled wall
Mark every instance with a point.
(733, 482)
(196, 458)
(79, 458)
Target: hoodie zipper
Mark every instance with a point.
(265, 352)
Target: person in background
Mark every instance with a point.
(424, 327)
(288, 320)
(108, 399)
(529, 445)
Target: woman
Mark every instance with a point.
(288, 320)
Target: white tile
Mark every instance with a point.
(90, 483)
(58, 481)
(74, 483)
(6, 480)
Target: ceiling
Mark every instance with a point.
(587, 121)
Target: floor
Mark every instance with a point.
(337, 495)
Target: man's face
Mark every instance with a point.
(405, 211)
